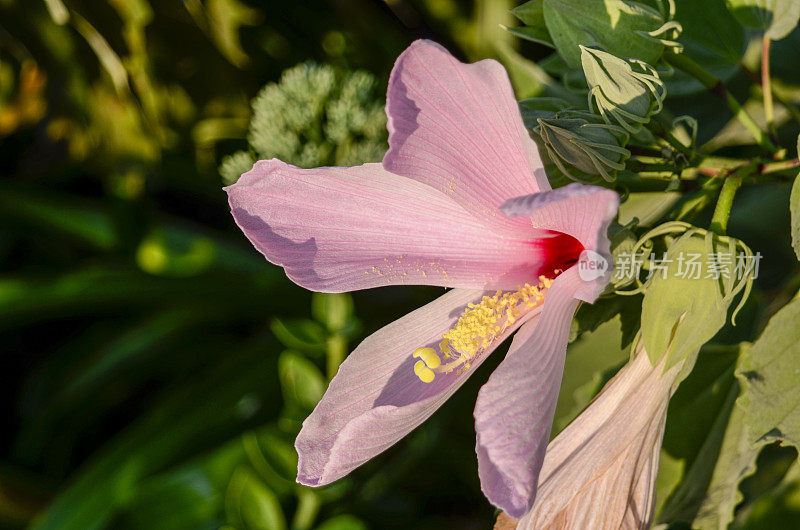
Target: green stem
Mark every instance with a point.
(660, 130)
(719, 222)
(715, 86)
(335, 350)
(697, 201)
(783, 165)
(766, 86)
(788, 105)
(307, 508)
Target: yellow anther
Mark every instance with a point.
(428, 356)
(479, 328)
(425, 374)
(483, 322)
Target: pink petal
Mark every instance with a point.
(376, 399)
(583, 212)
(343, 229)
(515, 408)
(600, 471)
(457, 127)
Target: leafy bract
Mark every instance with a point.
(682, 309)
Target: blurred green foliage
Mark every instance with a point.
(158, 369)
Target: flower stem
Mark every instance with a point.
(783, 165)
(722, 212)
(335, 352)
(660, 130)
(766, 85)
(714, 85)
(775, 95)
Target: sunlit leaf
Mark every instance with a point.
(794, 207)
(736, 460)
(250, 503)
(302, 382)
(225, 18)
(698, 429)
(613, 25)
(342, 522)
(711, 36)
(776, 17)
(769, 378)
(300, 334)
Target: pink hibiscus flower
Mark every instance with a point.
(461, 201)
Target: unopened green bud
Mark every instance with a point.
(542, 107)
(625, 92)
(573, 139)
(690, 289)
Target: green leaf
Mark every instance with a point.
(225, 17)
(647, 207)
(780, 507)
(301, 334)
(590, 316)
(771, 387)
(670, 473)
(533, 34)
(710, 26)
(717, 46)
(175, 253)
(532, 15)
(187, 496)
(251, 504)
(698, 431)
(301, 381)
(736, 460)
(174, 428)
(590, 363)
(65, 215)
(776, 17)
(343, 522)
(613, 25)
(794, 208)
(272, 455)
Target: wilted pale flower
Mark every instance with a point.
(461, 201)
(625, 92)
(600, 472)
(571, 139)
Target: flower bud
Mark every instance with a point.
(542, 107)
(624, 92)
(690, 290)
(573, 139)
